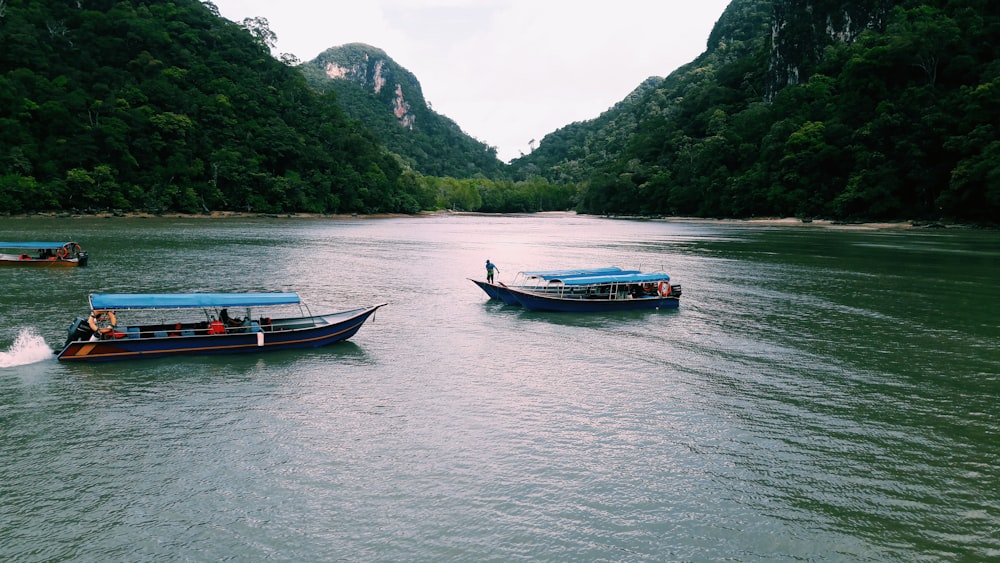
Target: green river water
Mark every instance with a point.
(821, 394)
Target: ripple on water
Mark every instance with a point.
(804, 402)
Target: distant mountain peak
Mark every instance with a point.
(374, 71)
(376, 91)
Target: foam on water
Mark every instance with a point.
(28, 348)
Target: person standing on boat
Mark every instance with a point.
(490, 266)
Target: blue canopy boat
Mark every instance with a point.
(606, 292)
(64, 254)
(101, 337)
(541, 281)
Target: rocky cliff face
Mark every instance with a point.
(377, 92)
(801, 29)
(372, 70)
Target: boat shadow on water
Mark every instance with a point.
(610, 319)
(606, 319)
(227, 367)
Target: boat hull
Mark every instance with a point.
(334, 327)
(490, 289)
(43, 263)
(43, 254)
(495, 291)
(542, 302)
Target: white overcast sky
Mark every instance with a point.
(506, 71)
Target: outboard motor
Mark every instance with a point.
(82, 256)
(78, 330)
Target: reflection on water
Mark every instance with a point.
(819, 394)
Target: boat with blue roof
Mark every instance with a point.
(541, 281)
(54, 254)
(201, 323)
(608, 291)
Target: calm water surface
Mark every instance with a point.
(820, 394)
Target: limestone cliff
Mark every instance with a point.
(801, 29)
(373, 70)
(376, 91)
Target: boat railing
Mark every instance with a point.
(600, 291)
(213, 328)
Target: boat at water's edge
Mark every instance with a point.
(102, 338)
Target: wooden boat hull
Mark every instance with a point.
(546, 282)
(496, 292)
(42, 263)
(42, 254)
(552, 302)
(283, 334)
(492, 290)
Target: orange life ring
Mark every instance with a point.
(663, 288)
(102, 322)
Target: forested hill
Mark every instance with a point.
(849, 109)
(150, 105)
(846, 109)
(373, 89)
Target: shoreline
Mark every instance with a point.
(762, 221)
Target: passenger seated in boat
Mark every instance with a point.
(102, 323)
(216, 327)
(229, 321)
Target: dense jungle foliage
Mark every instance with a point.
(898, 122)
(166, 106)
(851, 109)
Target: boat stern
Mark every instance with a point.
(78, 330)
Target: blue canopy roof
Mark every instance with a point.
(119, 301)
(649, 277)
(559, 274)
(34, 245)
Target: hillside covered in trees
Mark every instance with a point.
(847, 109)
(387, 98)
(148, 105)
